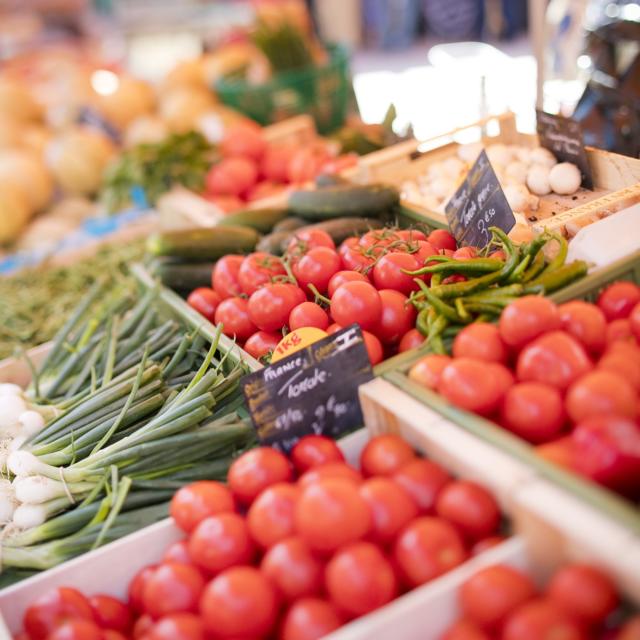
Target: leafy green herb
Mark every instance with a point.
(284, 45)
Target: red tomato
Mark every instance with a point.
(331, 513)
(177, 552)
(293, 568)
(233, 313)
(226, 204)
(534, 411)
(585, 322)
(465, 630)
(178, 626)
(77, 629)
(308, 314)
(384, 455)
(425, 251)
(618, 299)
(619, 330)
(312, 451)
(391, 507)
(231, 177)
(54, 608)
(193, 503)
(630, 630)
(486, 543)
(527, 318)
(423, 480)
(379, 239)
(256, 470)
(560, 452)
(412, 235)
(136, 588)
(258, 269)
(428, 370)
(339, 470)
(480, 341)
(243, 141)
(225, 277)
(541, 619)
(239, 603)
(427, 548)
(397, 318)
(174, 587)
(623, 361)
(264, 189)
(634, 320)
(456, 277)
(357, 260)
(270, 516)
(316, 267)
(465, 253)
(389, 272)
(340, 163)
(555, 358)
(357, 302)
(275, 162)
(584, 592)
(110, 634)
(492, 593)
(333, 328)
(143, 625)
(111, 613)
(310, 619)
(498, 255)
(205, 301)
(470, 507)
(413, 339)
(305, 164)
(261, 344)
(374, 348)
(341, 277)
(305, 239)
(442, 239)
(270, 306)
(601, 392)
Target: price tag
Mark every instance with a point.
(90, 117)
(479, 203)
(314, 390)
(563, 137)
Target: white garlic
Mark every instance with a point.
(517, 197)
(538, 180)
(565, 178)
(543, 156)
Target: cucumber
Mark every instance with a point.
(259, 219)
(183, 276)
(203, 244)
(330, 180)
(342, 200)
(341, 228)
(289, 224)
(275, 242)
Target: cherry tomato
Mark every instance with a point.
(256, 470)
(470, 507)
(308, 314)
(486, 543)
(397, 318)
(555, 358)
(312, 451)
(305, 239)
(585, 322)
(177, 552)
(177, 626)
(111, 613)
(193, 503)
(427, 548)
(173, 588)
(270, 306)
(136, 588)
(316, 267)
(534, 411)
(275, 162)
(441, 239)
(225, 276)
(623, 361)
(340, 470)
(270, 517)
(541, 619)
(601, 392)
(340, 277)
(384, 455)
(618, 299)
(331, 513)
(54, 608)
(241, 140)
(293, 568)
(143, 625)
(310, 619)
(410, 340)
(231, 177)
(630, 630)
(357, 302)
(258, 269)
(233, 313)
(374, 348)
(226, 204)
(77, 629)
(391, 507)
(619, 330)
(480, 341)
(423, 480)
(428, 370)
(389, 272)
(261, 344)
(465, 630)
(205, 301)
(492, 593)
(239, 603)
(526, 318)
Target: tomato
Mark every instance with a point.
(177, 552)
(480, 341)
(111, 613)
(340, 163)
(470, 507)
(389, 272)
(177, 626)
(379, 239)
(465, 253)
(428, 370)
(453, 279)
(305, 239)
(427, 548)
(412, 235)
(239, 603)
(110, 634)
(465, 630)
(243, 141)
(374, 348)
(226, 204)
(384, 455)
(423, 480)
(316, 267)
(334, 328)
(541, 619)
(585, 322)
(634, 321)
(442, 239)
(618, 299)
(270, 306)
(258, 269)
(308, 314)
(54, 608)
(304, 165)
(474, 385)
(293, 568)
(356, 259)
(526, 318)
(312, 451)
(270, 517)
(357, 302)
(560, 452)
(397, 318)
(630, 630)
(275, 162)
(486, 543)
(77, 629)
(555, 358)
(413, 339)
(619, 330)
(256, 470)
(492, 593)
(331, 513)
(262, 343)
(136, 588)
(391, 507)
(193, 503)
(231, 177)
(225, 276)
(233, 313)
(534, 411)
(205, 301)
(340, 470)
(310, 619)
(425, 251)
(264, 189)
(174, 587)
(143, 625)
(601, 392)
(625, 362)
(340, 277)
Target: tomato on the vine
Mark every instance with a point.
(316, 267)
(357, 302)
(442, 239)
(233, 313)
(397, 318)
(306, 239)
(225, 277)
(313, 450)
(308, 314)
(355, 259)
(256, 470)
(262, 343)
(258, 269)
(341, 277)
(269, 307)
(389, 272)
(196, 501)
(270, 516)
(205, 301)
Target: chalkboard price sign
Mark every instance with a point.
(314, 390)
(563, 137)
(479, 203)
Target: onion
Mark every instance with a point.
(38, 489)
(15, 212)
(27, 516)
(11, 408)
(9, 389)
(32, 422)
(8, 502)
(28, 172)
(16, 102)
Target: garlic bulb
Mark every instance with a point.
(565, 178)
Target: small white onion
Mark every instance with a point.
(32, 422)
(27, 516)
(11, 407)
(538, 180)
(543, 156)
(565, 178)
(23, 463)
(37, 489)
(8, 502)
(517, 172)
(517, 197)
(8, 389)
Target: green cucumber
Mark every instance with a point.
(183, 276)
(330, 180)
(275, 242)
(342, 228)
(289, 224)
(261, 220)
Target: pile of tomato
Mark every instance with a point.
(566, 378)
(250, 168)
(272, 556)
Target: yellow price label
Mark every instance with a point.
(297, 340)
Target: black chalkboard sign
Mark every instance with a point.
(563, 137)
(479, 203)
(90, 117)
(314, 390)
